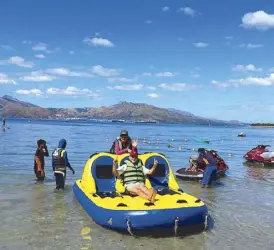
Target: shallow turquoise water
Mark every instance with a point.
(33, 216)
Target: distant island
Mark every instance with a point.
(266, 125)
(122, 112)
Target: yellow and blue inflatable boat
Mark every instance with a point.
(106, 201)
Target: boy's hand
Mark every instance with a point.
(155, 162)
(115, 162)
(73, 172)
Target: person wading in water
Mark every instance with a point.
(39, 159)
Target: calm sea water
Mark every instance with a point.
(33, 216)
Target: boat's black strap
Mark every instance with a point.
(107, 194)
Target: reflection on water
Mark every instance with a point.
(33, 216)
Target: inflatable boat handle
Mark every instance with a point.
(176, 225)
(206, 222)
(129, 228)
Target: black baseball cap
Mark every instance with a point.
(124, 132)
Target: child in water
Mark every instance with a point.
(39, 160)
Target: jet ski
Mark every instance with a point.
(242, 134)
(260, 154)
(195, 171)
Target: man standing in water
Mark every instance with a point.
(205, 157)
(4, 123)
(59, 164)
(39, 159)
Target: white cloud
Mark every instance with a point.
(37, 76)
(96, 41)
(258, 20)
(245, 68)
(67, 72)
(148, 21)
(220, 84)
(101, 71)
(164, 74)
(20, 62)
(40, 56)
(147, 74)
(40, 47)
(153, 95)
(132, 87)
(26, 42)
(195, 75)
(258, 81)
(7, 47)
(251, 46)
(151, 87)
(71, 52)
(4, 79)
(261, 81)
(254, 46)
(187, 11)
(121, 79)
(177, 86)
(160, 74)
(31, 92)
(165, 8)
(200, 45)
(73, 91)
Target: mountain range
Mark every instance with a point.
(126, 111)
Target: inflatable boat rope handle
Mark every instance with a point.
(176, 225)
(128, 227)
(206, 222)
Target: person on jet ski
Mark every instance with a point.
(206, 157)
(133, 175)
(122, 144)
(39, 159)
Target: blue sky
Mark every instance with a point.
(211, 58)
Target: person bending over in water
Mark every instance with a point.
(122, 144)
(133, 174)
(59, 164)
(205, 157)
(39, 159)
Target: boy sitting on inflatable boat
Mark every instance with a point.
(133, 174)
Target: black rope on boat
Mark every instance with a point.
(176, 225)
